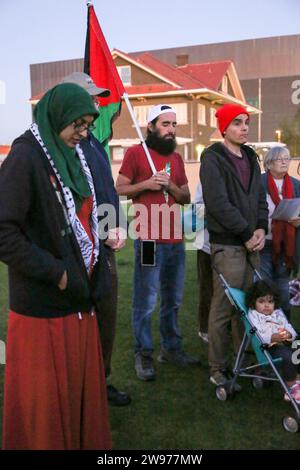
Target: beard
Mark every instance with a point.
(162, 145)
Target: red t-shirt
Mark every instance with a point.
(156, 216)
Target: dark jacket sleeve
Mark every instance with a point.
(16, 197)
(99, 165)
(216, 199)
(296, 186)
(263, 211)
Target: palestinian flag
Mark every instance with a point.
(99, 64)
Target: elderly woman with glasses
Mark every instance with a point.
(54, 393)
(281, 254)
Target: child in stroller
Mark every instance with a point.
(275, 331)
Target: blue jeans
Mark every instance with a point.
(168, 275)
(278, 275)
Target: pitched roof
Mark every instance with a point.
(210, 73)
(205, 76)
(187, 77)
(182, 79)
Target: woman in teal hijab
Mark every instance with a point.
(55, 393)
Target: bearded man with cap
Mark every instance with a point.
(167, 188)
(98, 162)
(237, 221)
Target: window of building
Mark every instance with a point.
(224, 84)
(201, 114)
(141, 113)
(181, 113)
(125, 74)
(213, 119)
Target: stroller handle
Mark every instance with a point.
(253, 267)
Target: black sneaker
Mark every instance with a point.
(144, 366)
(116, 397)
(177, 357)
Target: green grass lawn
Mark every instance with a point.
(179, 410)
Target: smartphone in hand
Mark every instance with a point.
(148, 253)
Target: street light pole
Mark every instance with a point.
(259, 115)
(278, 133)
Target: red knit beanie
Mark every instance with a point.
(227, 113)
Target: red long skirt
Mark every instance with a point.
(54, 393)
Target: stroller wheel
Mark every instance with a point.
(257, 383)
(221, 393)
(290, 423)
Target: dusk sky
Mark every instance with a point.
(35, 31)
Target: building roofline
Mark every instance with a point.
(216, 43)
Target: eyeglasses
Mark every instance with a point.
(282, 159)
(83, 127)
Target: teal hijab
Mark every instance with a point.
(60, 107)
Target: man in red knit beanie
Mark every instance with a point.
(227, 113)
(237, 221)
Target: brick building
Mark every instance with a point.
(194, 90)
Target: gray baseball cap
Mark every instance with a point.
(85, 81)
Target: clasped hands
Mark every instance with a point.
(257, 241)
(161, 180)
(116, 238)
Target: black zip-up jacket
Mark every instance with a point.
(99, 165)
(98, 162)
(232, 212)
(35, 241)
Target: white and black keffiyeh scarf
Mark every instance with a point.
(88, 249)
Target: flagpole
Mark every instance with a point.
(139, 133)
(121, 90)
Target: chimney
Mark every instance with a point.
(182, 59)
